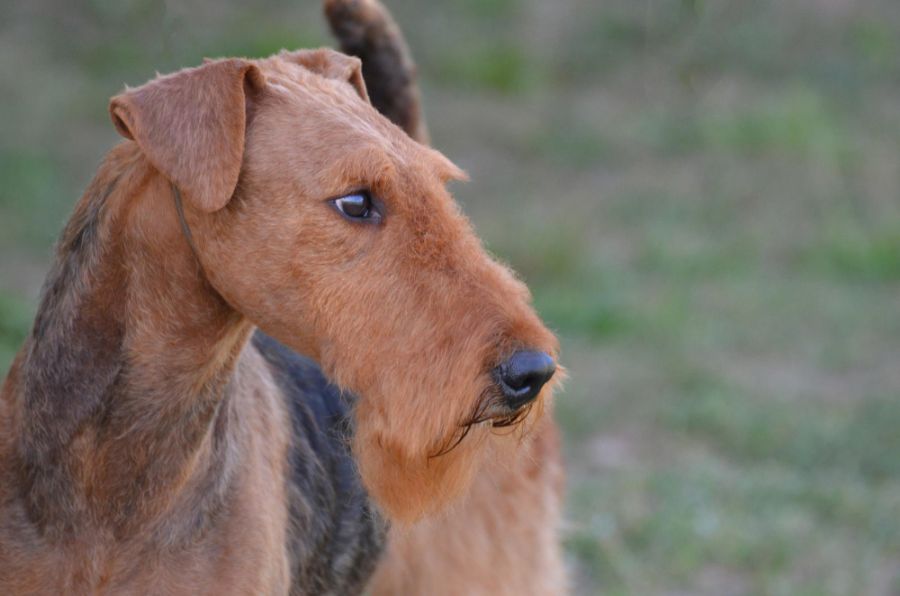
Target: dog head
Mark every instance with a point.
(333, 231)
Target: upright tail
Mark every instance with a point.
(365, 28)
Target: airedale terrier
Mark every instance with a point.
(160, 434)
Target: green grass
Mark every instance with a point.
(15, 321)
(31, 186)
(842, 439)
(872, 254)
(495, 66)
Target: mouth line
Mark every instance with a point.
(492, 412)
(508, 415)
(494, 409)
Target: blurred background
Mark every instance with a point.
(704, 197)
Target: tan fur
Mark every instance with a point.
(410, 314)
(501, 538)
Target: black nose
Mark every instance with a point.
(522, 376)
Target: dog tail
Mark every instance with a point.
(365, 28)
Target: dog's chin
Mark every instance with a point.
(409, 483)
(407, 489)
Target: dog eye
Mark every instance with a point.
(357, 205)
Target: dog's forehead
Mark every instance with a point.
(279, 68)
(295, 82)
(326, 119)
(308, 100)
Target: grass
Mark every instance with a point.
(15, 320)
(31, 189)
(497, 66)
(703, 198)
(856, 254)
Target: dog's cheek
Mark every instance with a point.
(328, 241)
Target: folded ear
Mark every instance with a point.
(191, 126)
(331, 64)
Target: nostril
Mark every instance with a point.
(523, 375)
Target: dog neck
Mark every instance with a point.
(125, 403)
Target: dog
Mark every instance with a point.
(161, 432)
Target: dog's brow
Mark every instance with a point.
(367, 166)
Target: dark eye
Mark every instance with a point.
(357, 205)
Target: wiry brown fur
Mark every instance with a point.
(146, 445)
(500, 538)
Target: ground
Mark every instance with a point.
(704, 198)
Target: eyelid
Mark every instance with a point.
(356, 190)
